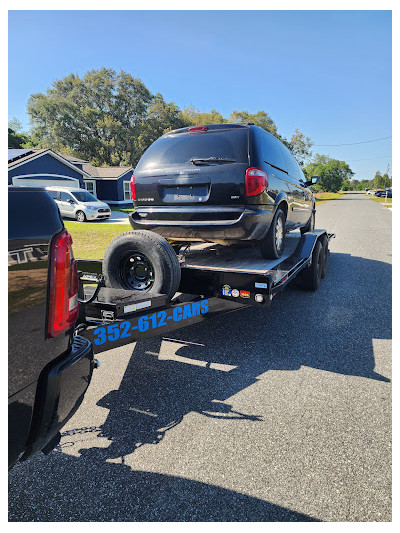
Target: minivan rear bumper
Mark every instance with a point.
(205, 223)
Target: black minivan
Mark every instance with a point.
(223, 183)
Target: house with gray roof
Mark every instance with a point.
(44, 167)
(109, 184)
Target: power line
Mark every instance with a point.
(361, 142)
(366, 158)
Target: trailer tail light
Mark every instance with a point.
(256, 181)
(133, 188)
(197, 129)
(63, 294)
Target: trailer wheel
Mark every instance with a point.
(143, 262)
(325, 251)
(311, 276)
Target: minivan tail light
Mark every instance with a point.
(197, 129)
(133, 188)
(63, 293)
(256, 181)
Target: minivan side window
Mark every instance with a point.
(292, 165)
(65, 196)
(270, 150)
(53, 194)
(300, 173)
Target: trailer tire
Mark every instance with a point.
(143, 262)
(311, 276)
(325, 250)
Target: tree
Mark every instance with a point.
(101, 117)
(346, 185)
(378, 180)
(194, 117)
(300, 146)
(332, 172)
(111, 119)
(261, 119)
(16, 138)
(161, 117)
(387, 182)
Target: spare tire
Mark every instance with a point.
(143, 262)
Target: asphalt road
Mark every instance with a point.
(292, 422)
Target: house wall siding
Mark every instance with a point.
(43, 165)
(113, 190)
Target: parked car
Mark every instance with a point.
(223, 183)
(378, 193)
(79, 204)
(371, 192)
(49, 369)
(383, 194)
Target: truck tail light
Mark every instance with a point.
(256, 181)
(63, 294)
(133, 189)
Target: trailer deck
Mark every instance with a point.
(215, 279)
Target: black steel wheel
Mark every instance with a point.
(143, 262)
(136, 271)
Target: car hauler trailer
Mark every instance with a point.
(214, 280)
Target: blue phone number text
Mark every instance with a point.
(123, 330)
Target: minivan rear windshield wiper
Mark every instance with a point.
(196, 161)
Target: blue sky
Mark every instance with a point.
(327, 73)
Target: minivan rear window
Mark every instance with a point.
(179, 149)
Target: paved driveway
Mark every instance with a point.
(291, 423)
(116, 217)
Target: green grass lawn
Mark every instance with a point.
(380, 200)
(322, 197)
(91, 240)
(122, 209)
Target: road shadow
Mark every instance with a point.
(206, 364)
(108, 492)
(330, 330)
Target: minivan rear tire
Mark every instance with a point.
(272, 245)
(310, 224)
